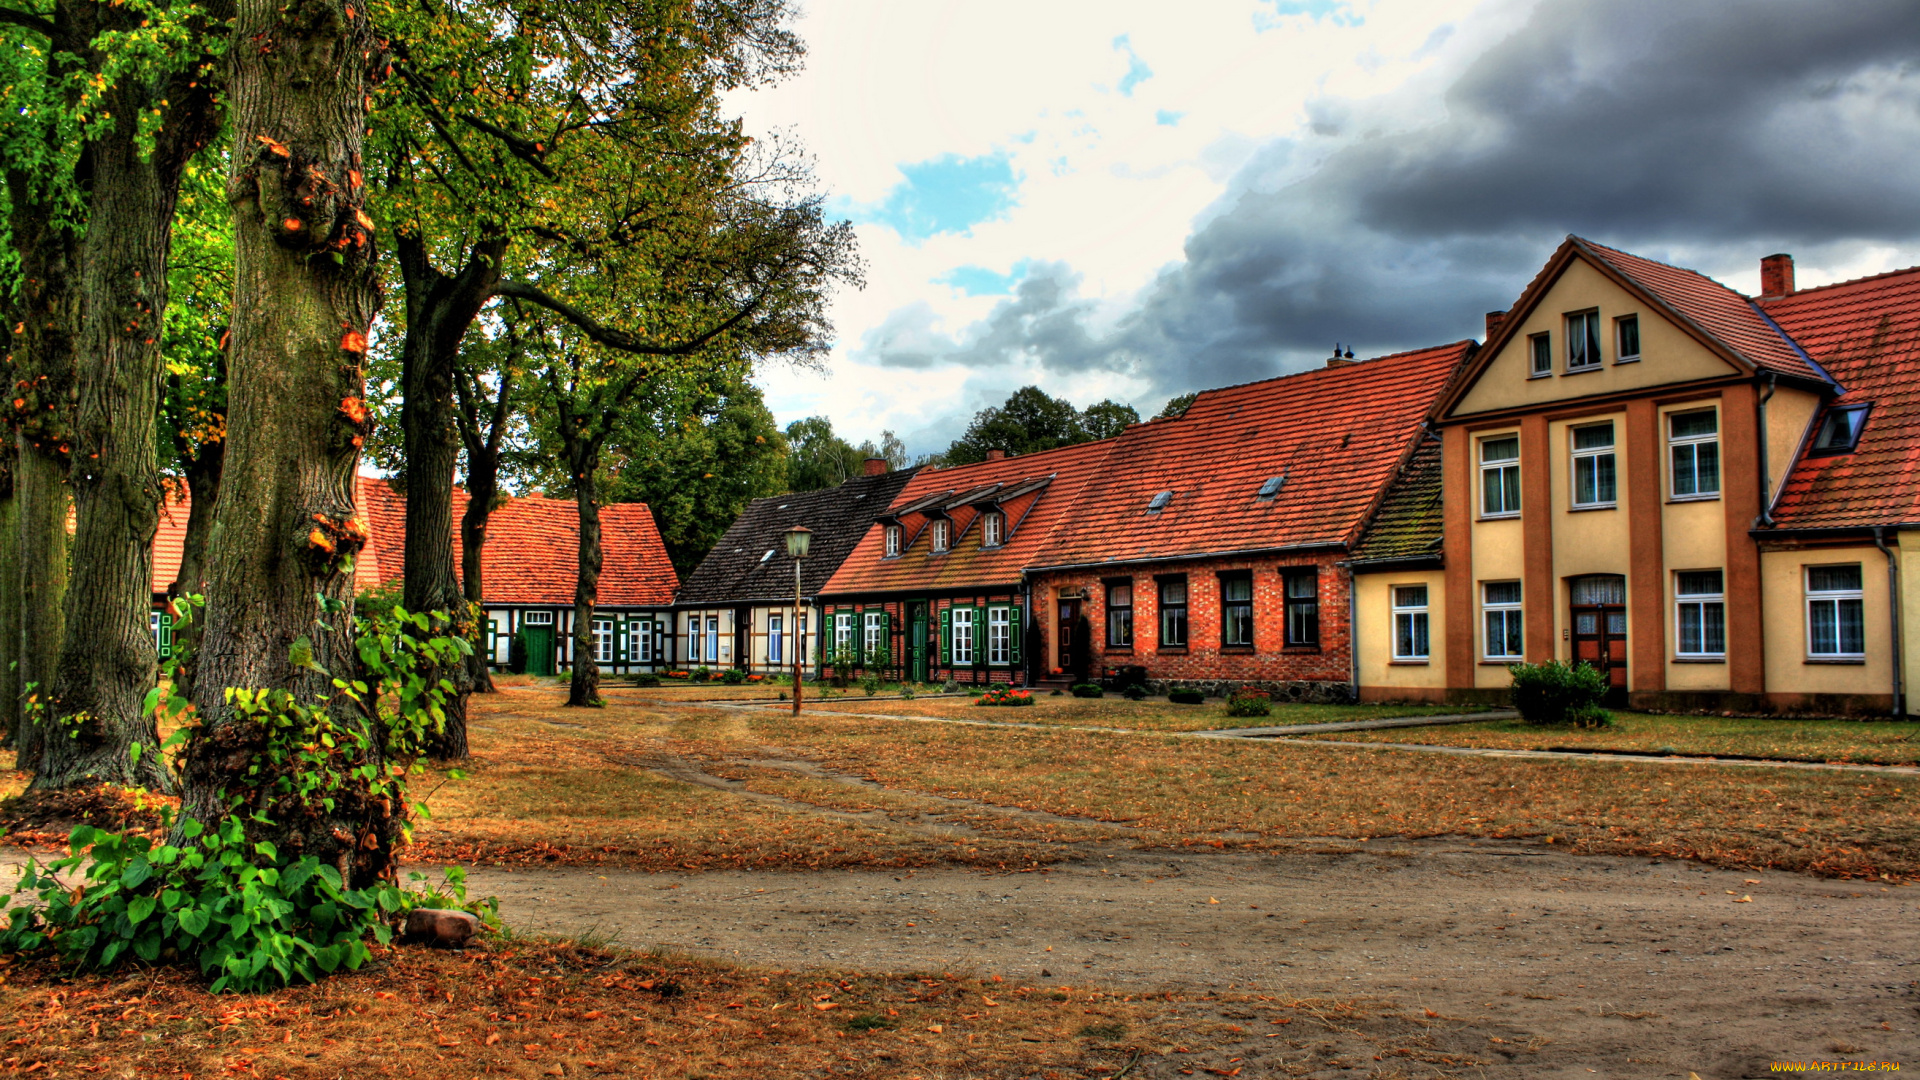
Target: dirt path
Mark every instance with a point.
(1582, 965)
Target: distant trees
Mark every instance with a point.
(817, 458)
(1030, 421)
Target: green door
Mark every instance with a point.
(539, 649)
(919, 643)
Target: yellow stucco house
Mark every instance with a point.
(1706, 495)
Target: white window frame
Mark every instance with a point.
(538, 618)
(603, 641)
(1408, 615)
(842, 630)
(1620, 325)
(1583, 327)
(962, 637)
(1539, 348)
(1830, 600)
(1691, 445)
(873, 633)
(892, 540)
(1592, 456)
(999, 636)
(942, 534)
(992, 529)
(640, 641)
(713, 639)
(776, 625)
(1495, 469)
(1510, 612)
(1701, 603)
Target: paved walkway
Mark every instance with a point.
(1359, 725)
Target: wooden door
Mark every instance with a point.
(1599, 621)
(918, 642)
(1066, 636)
(539, 649)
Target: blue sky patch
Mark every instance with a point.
(1339, 11)
(980, 281)
(948, 194)
(1137, 69)
(1168, 118)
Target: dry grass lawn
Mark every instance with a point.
(1883, 742)
(1153, 714)
(537, 1009)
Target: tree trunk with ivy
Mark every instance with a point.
(107, 663)
(584, 688)
(9, 600)
(286, 528)
(483, 487)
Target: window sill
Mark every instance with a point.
(1508, 662)
(1595, 506)
(1236, 650)
(1715, 497)
(1172, 650)
(1699, 660)
(1408, 663)
(1584, 370)
(1498, 517)
(1119, 650)
(1540, 375)
(1837, 661)
(1626, 360)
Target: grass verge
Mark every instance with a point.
(1153, 714)
(1879, 742)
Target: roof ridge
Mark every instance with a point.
(1660, 263)
(1402, 354)
(1839, 284)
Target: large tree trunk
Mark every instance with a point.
(9, 601)
(483, 486)
(107, 663)
(439, 311)
(285, 526)
(40, 495)
(584, 689)
(203, 491)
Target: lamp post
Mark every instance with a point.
(799, 538)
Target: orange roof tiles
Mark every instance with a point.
(1033, 511)
(1336, 436)
(1866, 334)
(531, 557)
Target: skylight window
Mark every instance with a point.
(1159, 502)
(1840, 431)
(768, 555)
(1272, 487)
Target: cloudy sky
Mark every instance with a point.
(1136, 199)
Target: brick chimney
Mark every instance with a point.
(1494, 319)
(1776, 277)
(996, 455)
(877, 466)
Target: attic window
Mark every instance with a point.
(1159, 502)
(764, 558)
(1272, 487)
(1840, 431)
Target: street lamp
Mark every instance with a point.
(799, 538)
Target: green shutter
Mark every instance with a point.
(886, 635)
(1015, 624)
(946, 637)
(166, 636)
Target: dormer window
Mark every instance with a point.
(1272, 487)
(992, 529)
(1159, 502)
(892, 534)
(1840, 431)
(1626, 339)
(1583, 341)
(942, 531)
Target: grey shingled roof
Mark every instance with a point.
(1410, 519)
(738, 570)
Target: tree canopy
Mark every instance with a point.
(1031, 420)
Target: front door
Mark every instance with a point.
(539, 649)
(918, 622)
(1065, 637)
(1600, 630)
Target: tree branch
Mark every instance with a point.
(620, 339)
(27, 20)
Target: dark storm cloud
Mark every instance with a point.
(1704, 133)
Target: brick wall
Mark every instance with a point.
(1322, 672)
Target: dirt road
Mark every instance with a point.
(1578, 965)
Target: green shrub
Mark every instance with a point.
(733, 677)
(517, 653)
(908, 691)
(870, 683)
(1087, 689)
(1187, 697)
(1589, 716)
(700, 674)
(1249, 703)
(1134, 692)
(1545, 693)
(646, 678)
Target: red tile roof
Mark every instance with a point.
(1336, 436)
(531, 557)
(1037, 489)
(1724, 315)
(1866, 334)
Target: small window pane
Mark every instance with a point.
(1173, 592)
(1593, 437)
(1833, 578)
(1542, 353)
(1410, 596)
(1629, 336)
(1502, 592)
(1302, 586)
(1236, 588)
(1698, 583)
(1689, 425)
(1505, 449)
